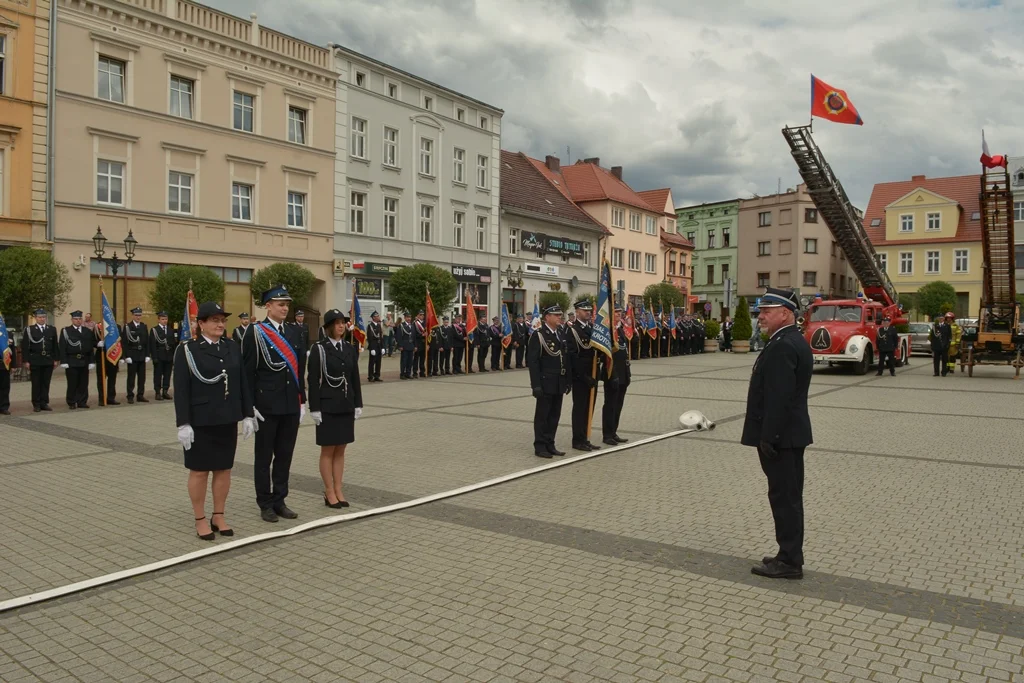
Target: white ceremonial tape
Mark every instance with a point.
(114, 577)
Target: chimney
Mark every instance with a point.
(917, 179)
(617, 172)
(596, 161)
(552, 163)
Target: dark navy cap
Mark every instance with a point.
(161, 314)
(332, 315)
(300, 312)
(208, 308)
(76, 314)
(554, 308)
(243, 316)
(444, 318)
(39, 311)
(375, 313)
(583, 305)
(774, 298)
(137, 310)
(279, 293)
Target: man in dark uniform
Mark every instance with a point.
(105, 368)
(243, 320)
(482, 342)
(274, 363)
(300, 325)
(458, 336)
(445, 350)
(549, 366)
(375, 343)
(698, 337)
(778, 425)
(614, 386)
(520, 334)
(886, 340)
(162, 343)
(419, 338)
(434, 352)
(495, 333)
(582, 356)
(77, 344)
(135, 345)
(405, 339)
(939, 337)
(40, 354)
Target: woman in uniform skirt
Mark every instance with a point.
(210, 399)
(335, 402)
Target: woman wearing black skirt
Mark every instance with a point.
(335, 402)
(210, 398)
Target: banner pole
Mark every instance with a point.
(593, 396)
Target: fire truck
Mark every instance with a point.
(843, 331)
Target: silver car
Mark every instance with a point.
(919, 338)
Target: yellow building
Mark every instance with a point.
(24, 45)
(929, 229)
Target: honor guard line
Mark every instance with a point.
(115, 577)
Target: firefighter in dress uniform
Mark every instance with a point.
(482, 342)
(406, 342)
(40, 354)
(108, 398)
(886, 341)
(940, 337)
(520, 334)
(615, 383)
(77, 345)
(495, 332)
(135, 344)
(419, 336)
(5, 375)
(458, 337)
(300, 325)
(375, 343)
(727, 334)
(239, 332)
(162, 343)
(549, 366)
(581, 355)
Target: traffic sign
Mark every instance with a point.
(707, 307)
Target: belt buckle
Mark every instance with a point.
(563, 371)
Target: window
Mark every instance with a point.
(460, 114)
(634, 260)
(481, 233)
(241, 202)
(358, 147)
(832, 281)
(652, 226)
(784, 278)
(634, 221)
(617, 258)
(907, 222)
(725, 237)
(671, 226)
(875, 222)
(481, 171)
(391, 147)
(810, 278)
(692, 236)
(810, 215)
(357, 213)
(3, 63)
(111, 80)
(1018, 211)
(618, 217)
(725, 272)
(711, 274)
(109, 182)
(711, 239)
(671, 266)
(934, 221)
(786, 217)
(764, 279)
(182, 90)
(834, 245)
(586, 253)
(459, 166)
(179, 192)
(483, 122)
(297, 125)
(764, 219)
(426, 156)
(906, 263)
(390, 217)
(428, 102)
(392, 90)
(458, 229)
(810, 246)
(883, 261)
(243, 111)
(960, 260)
(931, 262)
(650, 263)
(764, 248)
(513, 241)
(360, 79)
(296, 210)
(785, 247)
(426, 222)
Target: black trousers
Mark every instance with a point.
(545, 420)
(520, 353)
(405, 362)
(41, 375)
(457, 353)
(161, 375)
(580, 410)
(508, 357)
(111, 383)
(275, 443)
(614, 397)
(886, 359)
(373, 367)
(446, 361)
(785, 473)
(420, 360)
(433, 362)
(481, 356)
(78, 386)
(496, 356)
(940, 360)
(5, 387)
(136, 378)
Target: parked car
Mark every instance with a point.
(919, 338)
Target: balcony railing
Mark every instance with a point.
(213, 21)
(157, 6)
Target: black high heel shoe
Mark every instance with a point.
(205, 537)
(223, 532)
(335, 506)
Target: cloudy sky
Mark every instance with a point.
(692, 94)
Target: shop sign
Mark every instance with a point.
(541, 243)
(471, 274)
(369, 288)
(381, 268)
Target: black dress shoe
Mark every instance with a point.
(36, 409)
(158, 396)
(620, 439)
(142, 399)
(581, 446)
(283, 510)
(593, 447)
(768, 559)
(554, 451)
(167, 397)
(5, 412)
(268, 515)
(611, 442)
(113, 403)
(84, 406)
(131, 400)
(334, 506)
(46, 408)
(777, 569)
(542, 454)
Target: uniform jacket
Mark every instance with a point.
(375, 336)
(458, 335)
(237, 335)
(303, 334)
(496, 335)
(620, 362)
(887, 339)
(275, 392)
(438, 337)
(404, 336)
(940, 336)
(447, 336)
(44, 350)
(777, 397)
(727, 331)
(77, 346)
(200, 404)
(577, 340)
(135, 341)
(419, 330)
(520, 332)
(548, 362)
(481, 335)
(162, 343)
(342, 367)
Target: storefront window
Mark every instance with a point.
(478, 295)
(516, 300)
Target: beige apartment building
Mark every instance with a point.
(783, 243)
(207, 137)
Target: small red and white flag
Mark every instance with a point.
(987, 160)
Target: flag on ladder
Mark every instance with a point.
(832, 103)
(987, 160)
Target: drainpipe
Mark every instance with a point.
(51, 105)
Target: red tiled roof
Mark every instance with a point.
(962, 189)
(675, 240)
(591, 183)
(525, 186)
(657, 200)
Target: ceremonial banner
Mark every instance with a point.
(355, 316)
(470, 318)
(652, 322)
(628, 323)
(536, 323)
(431, 315)
(506, 327)
(191, 311)
(832, 103)
(601, 336)
(672, 321)
(5, 344)
(111, 333)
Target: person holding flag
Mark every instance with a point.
(482, 340)
(357, 330)
(108, 354)
(6, 358)
(471, 331)
(188, 318)
(583, 362)
(162, 344)
(628, 327)
(615, 373)
(406, 342)
(495, 332)
(419, 338)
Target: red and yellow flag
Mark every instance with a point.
(832, 103)
(431, 315)
(471, 321)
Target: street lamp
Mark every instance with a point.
(515, 281)
(99, 244)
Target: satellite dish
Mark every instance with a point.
(575, 282)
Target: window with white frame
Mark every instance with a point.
(361, 79)
(3, 64)
(634, 260)
(109, 182)
(616, 258)
(297, 118)
(725, 237)
(241, 202)
(391, 147)
(652, 226)
(634, 221)
(907, 222)
(459, 229)
(934, 221)
(711, 239)
(426, 223)
(906, 263)
(357, 147)
(111, 80)
(179, 192)
(392, 90)
(931, 262)
(182, 92)
(883, 261)
(428, 103)
(618, 217)
(357, 213)
(481, 233)
(459, 166)
(1018, 211)
(481, 171)
(460, 114)
(426, 156)
(390, 217)
(513, 241)
(650, 263)
(296, 210)
(811, 246)
(960, 260)
(586, 253)
(244, 111)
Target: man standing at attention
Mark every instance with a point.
(549, 366)
(375, 343)
(39, 353)
(778, 425)
(577, 341)
(243, 320)
(162, 344)
(135, 342)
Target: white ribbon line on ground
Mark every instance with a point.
(114, 577)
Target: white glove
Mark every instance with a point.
(186, 437)
(122, 361)
(128, 361)
(302, 412)
(92, 366)
(317, 416)
(256, 421)
(359, 413)
(147, 359)
(99, 344)
(372, 352)
(64, 365)
(248, 427)
(309, 352)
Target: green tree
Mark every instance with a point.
(31, 278)
(742, 328)
(711, 329)
(665, 293)
(171, 288)
(551, 298)
(935, 298)
(409, 288)
(298, 279)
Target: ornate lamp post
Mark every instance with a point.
(515, 281)
(99, 243)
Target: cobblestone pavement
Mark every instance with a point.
(628, 567)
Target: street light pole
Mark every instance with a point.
(515, 281)
(99, 242)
